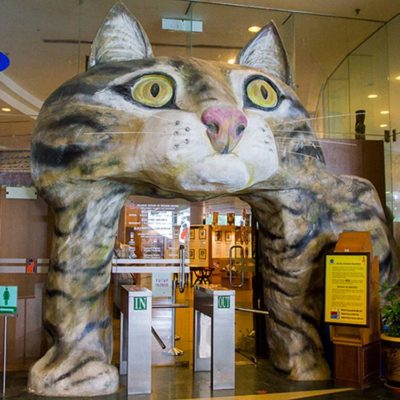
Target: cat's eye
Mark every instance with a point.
(262, 94)
(153, 90)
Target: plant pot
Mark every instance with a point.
(391, 360)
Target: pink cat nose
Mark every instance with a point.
(225, 126)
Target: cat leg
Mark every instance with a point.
(293, 336)
(290, 244)
(76, 301)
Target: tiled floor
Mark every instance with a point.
(176, 380)
(260, 382)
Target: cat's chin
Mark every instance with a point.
(216, 175)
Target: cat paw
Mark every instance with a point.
(310, 370)
(78, 375)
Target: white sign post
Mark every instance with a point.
(8, 308)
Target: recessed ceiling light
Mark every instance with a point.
(372, 96)
(383, 126)
(231, 61)
(5, 109)
(397, 78)
(254, 29)
(384, 112)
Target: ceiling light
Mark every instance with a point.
(5, 109)
(383, 126)
(384, 112)
(372, 96)
(231, 61)
(397, 78)
(254, 29)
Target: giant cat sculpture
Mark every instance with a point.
(177, 127)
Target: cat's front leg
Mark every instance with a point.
(76, 302)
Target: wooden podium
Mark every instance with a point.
(357, 348)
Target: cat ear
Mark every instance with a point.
(120, 38)
(266, 52)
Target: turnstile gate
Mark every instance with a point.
(218, 304)
(135, 338)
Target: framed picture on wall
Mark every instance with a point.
(192, 233)
(202, 254)
(192, 254)
(228, 236)
(218, 236)
(202, 234)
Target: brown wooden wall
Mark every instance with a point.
(364, 158)
(24, 228)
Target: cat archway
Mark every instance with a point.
(184, 127)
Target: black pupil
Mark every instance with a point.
(155, 89)
(264, 92)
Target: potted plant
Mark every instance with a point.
(390, 337)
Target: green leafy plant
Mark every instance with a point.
(390, 311)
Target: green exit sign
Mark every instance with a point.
(140, 303)
(224, 302)
(8, 299)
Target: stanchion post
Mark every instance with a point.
(4, 354)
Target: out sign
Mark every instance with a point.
(224, 302)
(140, 303)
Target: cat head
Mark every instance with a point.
(176, 125)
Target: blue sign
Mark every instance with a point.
(8, 299)
(4, 61)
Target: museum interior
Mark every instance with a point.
(200, 264)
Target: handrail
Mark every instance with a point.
(252, 310)
(241, 284)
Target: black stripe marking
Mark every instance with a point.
(101, 266)
(75, 369)
(57, 293)
(96, 296)
(59, 233)
(274, 286)
(94, 325)
(89, 378)
(52, 330)
(59, 267)
(75, 119)
(71, 89)
(291, 328)
(56, 157)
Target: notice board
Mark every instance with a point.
(347, 288)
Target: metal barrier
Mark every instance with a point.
(217, 303)
(135, 338)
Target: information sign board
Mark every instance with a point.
(347, 288)
(8, 299)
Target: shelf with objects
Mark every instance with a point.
(222, 254)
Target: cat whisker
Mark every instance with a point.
(282, 139)
(319, 118)
(300, 154)
(17, 115)
(122, 133)
(324, 133)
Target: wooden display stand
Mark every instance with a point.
(357, 349)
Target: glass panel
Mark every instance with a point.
(393, 30)
(226, 30)
(153, 228)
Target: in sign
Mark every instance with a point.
(140, 303)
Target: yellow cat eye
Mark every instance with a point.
(153, 90)
(262, 94)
